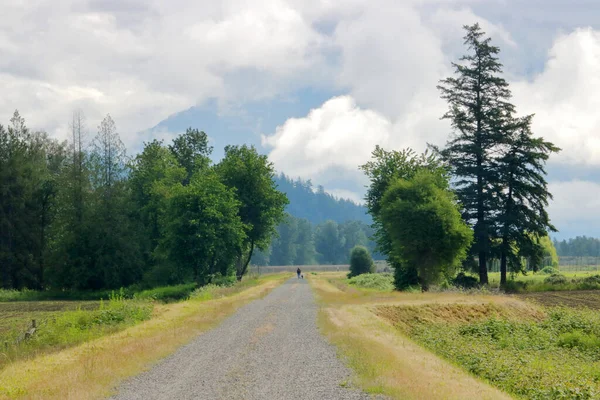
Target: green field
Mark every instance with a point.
(530, 352)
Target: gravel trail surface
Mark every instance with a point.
(270, 349)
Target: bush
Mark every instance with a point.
(360, 262)
(220, 280)
(556, 279)
(167, 293)
(383, 282)
(405, 277)
(548, 271)
(465, 281)
(512, 286)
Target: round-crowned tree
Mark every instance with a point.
(360, 261)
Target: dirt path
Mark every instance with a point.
(270, 349)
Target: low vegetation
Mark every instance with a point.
(383, 282)
(59, 326)
(531, 353)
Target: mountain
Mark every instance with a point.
(318, 206)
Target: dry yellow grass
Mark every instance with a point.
(93, 370)
(386, 361)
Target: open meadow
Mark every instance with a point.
(458, 344)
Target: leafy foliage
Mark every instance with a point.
(424, 225)
(382, 282)
(360, 262)
(87, 218)
(261, 205)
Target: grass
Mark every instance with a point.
(531, 353)
(60, 325)
(574, 280)
(167, 294)
(383, 360)
(382, 282)
(93, 369)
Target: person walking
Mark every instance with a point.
(298, 272)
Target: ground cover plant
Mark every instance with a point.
(527, 351)
(382, 282)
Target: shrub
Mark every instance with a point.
(465, 281)
(383, 282)
(167, 293)
(548, 271)
(556, 279)
(204, 293)
(512, 286)
(360, 262)
(220, 280)
(405, 277)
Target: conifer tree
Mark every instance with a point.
(478, 99)
(524, 194)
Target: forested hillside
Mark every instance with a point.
(318, 206)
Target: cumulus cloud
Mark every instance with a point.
(565, 97)
(574, 210)
(339, 134)
(144, 60)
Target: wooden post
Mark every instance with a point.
(33, 323)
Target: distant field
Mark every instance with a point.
(578, 298)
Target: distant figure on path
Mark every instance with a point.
(298, 272)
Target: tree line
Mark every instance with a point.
(299, 242)
(85, 216)
(580, 246)
(481, 197)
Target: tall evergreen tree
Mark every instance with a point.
(524, 193)
(478, 99)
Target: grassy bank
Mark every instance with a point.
(533, 354)
(59, 326)
(385, 361)
(93, 369)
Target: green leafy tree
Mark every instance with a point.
(192, 151)
(360, 261)
(262, 206)
(305, 246)
(329, 243)
(153, 172)
(478, 99)
(524, 195)
(425, 227)
(203, 231)
(283, 250)
(385, 168)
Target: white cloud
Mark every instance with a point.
(144, 60)
(566, 97)
(339, 134)
(574, 210)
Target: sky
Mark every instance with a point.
(315, 84)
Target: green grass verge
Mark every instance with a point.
(557, 357)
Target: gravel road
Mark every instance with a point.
(270, 349)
